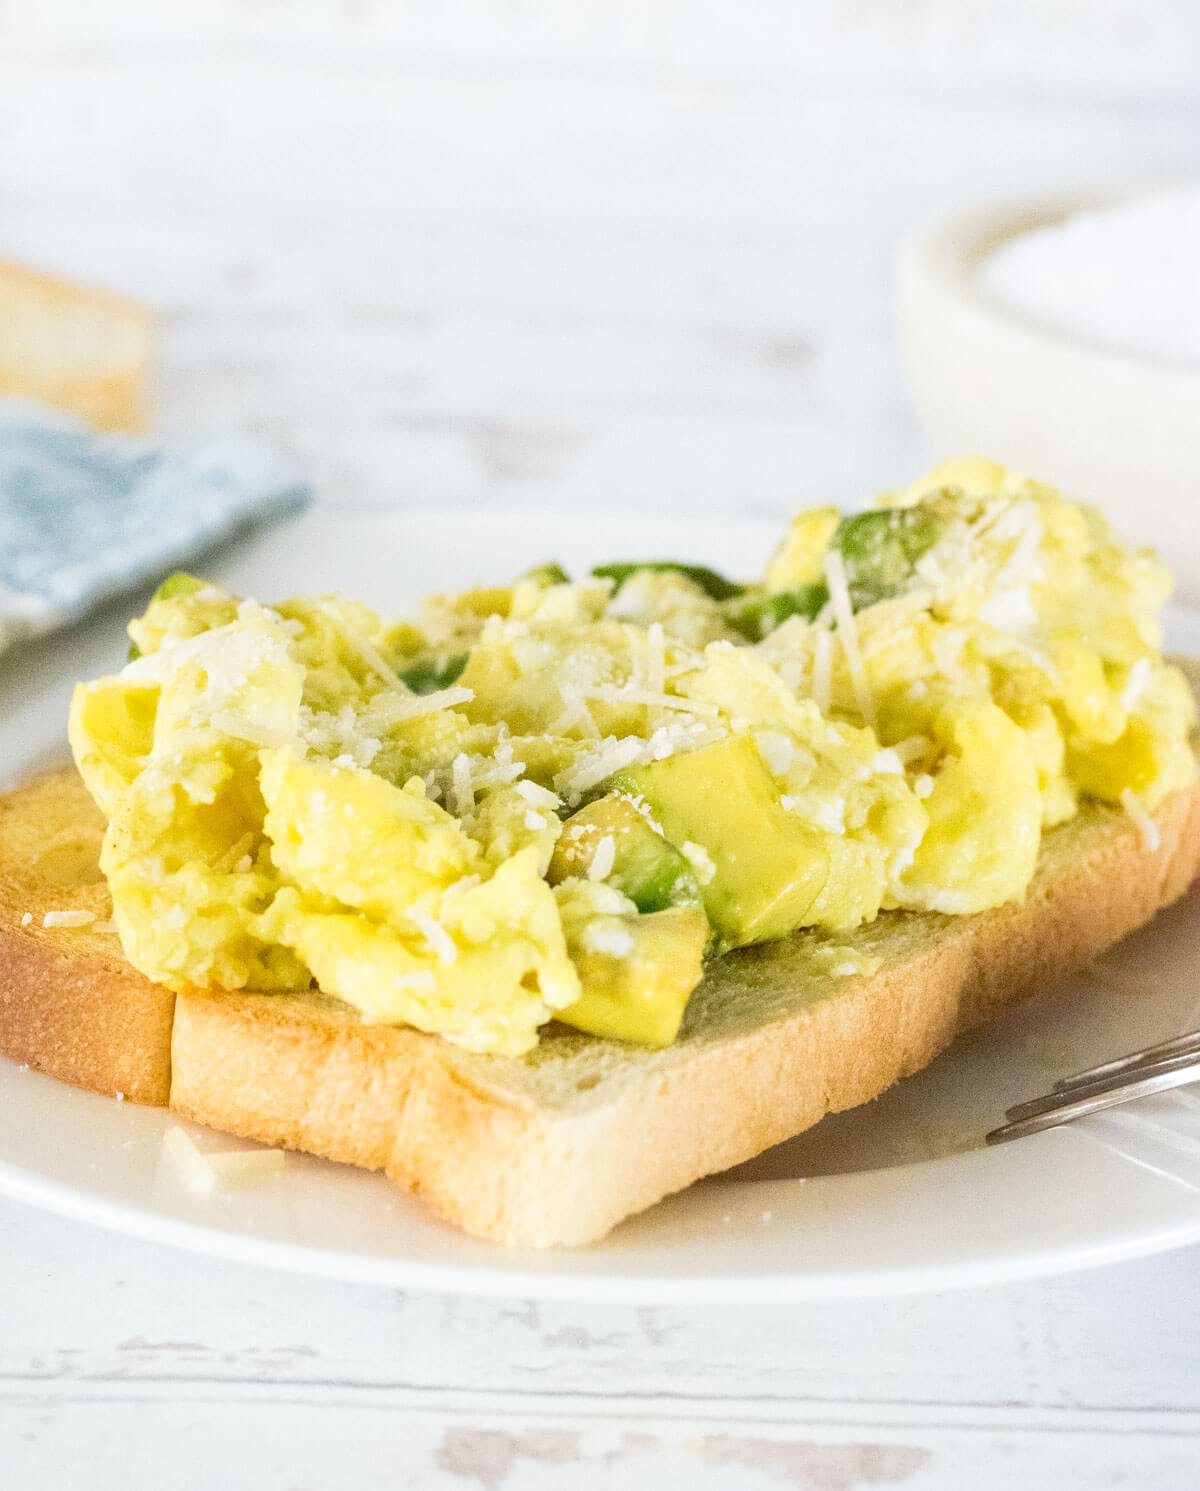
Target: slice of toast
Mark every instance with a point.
(79, 349)
(70, 1004)
(558, 1146)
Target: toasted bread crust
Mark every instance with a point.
(571, 1182)
(530, 1167)
(70, 1004)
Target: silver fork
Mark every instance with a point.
(1158, 1068)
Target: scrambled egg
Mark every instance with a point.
(555, 799)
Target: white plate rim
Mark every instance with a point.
(532, 1282)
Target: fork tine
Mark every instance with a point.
(1184, 1061)
(1180, 1045)
(1062, 1108)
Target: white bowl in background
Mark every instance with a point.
(1105, 426)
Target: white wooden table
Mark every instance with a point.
(510, 252)
(117, 1358)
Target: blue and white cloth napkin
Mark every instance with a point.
(84, 516)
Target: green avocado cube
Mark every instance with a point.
(716, 586)
(768, 866)
(429, 676)
(547, 575)
(178, 584)
(640, 995)
(757, 615)
(880, 549)
(651, 872)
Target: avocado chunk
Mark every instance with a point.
(880, 549)
(713, 585)
(174, 587)
(429, 677)
(651, 872)
(183, 606)
(757, 615)
(769, 866)
(641, 996)
(547, 575)
(180, 583)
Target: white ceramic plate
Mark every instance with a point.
(899, 1196)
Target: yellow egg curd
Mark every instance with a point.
(556, 799)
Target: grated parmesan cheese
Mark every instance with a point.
(700, 860)
(441, 944)
(611, 756)
(776, 749)
(201, 1171)
(884, 614)
(575, 715)
(68, 918)
(190, 1166)
(847, 631)
(1135, 684)
(237, 1166)
(615, 941)
(642, 808)
(656, 658)
(238, 727)
(1146, 826)
(499, 774)
(912, 748)
(540, 797)
(630, 693)
(462, 785)
(603, 859)
(822, 669)
(374, 659)
(391, 711)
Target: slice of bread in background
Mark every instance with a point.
(78, 349)
(557, 1147)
